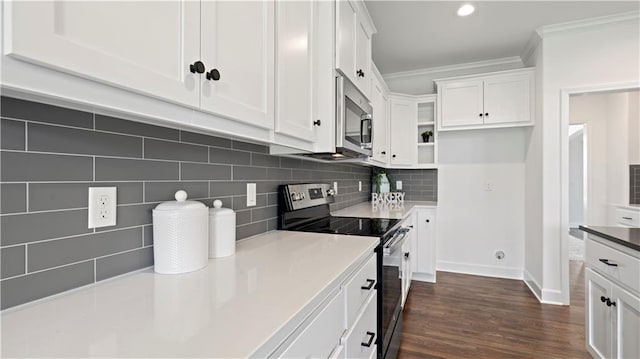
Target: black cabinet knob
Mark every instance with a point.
(360, 73)
(383, 152)
(316, 123)
(603, 298)
(486, 113)
(411, 226)
(406, 255)
(394, 156)
(427, 221)
(214, 75)
(196, 67)
(610, 303)
(480, 115)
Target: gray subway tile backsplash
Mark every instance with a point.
(634, 184)
(46, 245)
(12, 135)
(27, 166)
(58, 252)
(418, 185)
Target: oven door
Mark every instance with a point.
(392, 293)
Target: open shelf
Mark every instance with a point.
(426, 144)
(427, 123)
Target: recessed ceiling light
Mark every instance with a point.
(466, 9)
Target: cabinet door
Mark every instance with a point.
(461, 104)
(403, 126)
(598, 315)
(507, 99)
(363, 58)
(295, 44)
(426, 243)
(626, 324)
(361, 339)
(238, 41)
(117, 43)
(346, 27)
(380, 122)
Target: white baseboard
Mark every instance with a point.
(423, 277)
(552, 296)
(533, 285)
(477, 269)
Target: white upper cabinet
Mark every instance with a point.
(503, 99)
(296, 69)
(380, 103)
(118, 43)
(354, 29)
(238, 43)
(404, 131)
(461, 103)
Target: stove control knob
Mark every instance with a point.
(295, 196)
(302, 196)
(331, 192)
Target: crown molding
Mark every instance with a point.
(530, 48)
(456, 67)
(549, 30)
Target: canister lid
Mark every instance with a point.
(180, 203)
(218, 210)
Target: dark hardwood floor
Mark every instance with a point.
(464, 316)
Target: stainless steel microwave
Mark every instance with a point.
(354, 114)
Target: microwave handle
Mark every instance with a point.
(340, 111)
(366, 118)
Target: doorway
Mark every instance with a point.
(578, 204)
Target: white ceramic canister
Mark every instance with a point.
(222, 231)
(180, 236)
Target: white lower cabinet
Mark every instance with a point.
(612, 305)
(345, 325)
(319, 338)
(425, 256)
(408, 253)
(360, 341)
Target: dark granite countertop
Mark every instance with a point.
(628, 237)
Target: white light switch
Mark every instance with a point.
(398, 185)
(359, 186)
(335, 188)
(102, 206)
(251, 194)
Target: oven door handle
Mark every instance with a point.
(398, 239)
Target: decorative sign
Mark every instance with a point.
(387, 198)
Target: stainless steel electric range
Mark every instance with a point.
(305, 208)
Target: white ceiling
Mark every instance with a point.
(416, 35)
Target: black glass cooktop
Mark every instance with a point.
(371, 227)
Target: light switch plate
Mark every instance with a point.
(102, 206)
(251, 194)
(398, 185)
(359, 186)
(335, 188)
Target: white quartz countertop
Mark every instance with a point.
(367, 210)
(231, 309)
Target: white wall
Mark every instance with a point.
(605, 54)
(421, 82)
(474, 223)
(617, 153)
(634, 127)
(576, 179)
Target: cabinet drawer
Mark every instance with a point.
(363, 332)
(622, 267)
(321, 337)
(628, 217)
(356, 289)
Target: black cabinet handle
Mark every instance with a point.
(606, 261)
(383, 152)
(316, 123)
(406, 255)
(627, 218)
(371, 335)
(481, 115)
(603, 298)
(411, 226)
(610, 303)
(197, 67)
(214, 75)
(368, 287)
(486, 113)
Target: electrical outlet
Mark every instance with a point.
(335, 188)
(102, 206)
(398, 185)
(488, 186)
(251, 194)
(359, 186)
